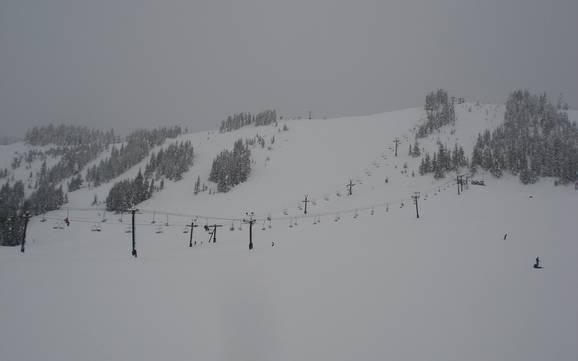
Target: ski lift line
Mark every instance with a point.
(346, 211)
(188, 216)
(267, 218)
(83, 220)
(449, 182)
(150, 211)
(352, 210)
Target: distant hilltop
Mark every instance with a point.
(5, 140)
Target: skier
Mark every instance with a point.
(505, 236)
(537, 264)
(67, 222)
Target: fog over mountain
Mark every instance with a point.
(129, 63)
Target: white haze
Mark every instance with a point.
(129, 63)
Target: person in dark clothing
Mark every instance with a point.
(537, 264)
(505, 236)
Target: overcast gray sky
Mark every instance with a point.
(132, 63)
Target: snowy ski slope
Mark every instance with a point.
(382, 285)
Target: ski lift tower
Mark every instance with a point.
(133, 212)
(250, 220)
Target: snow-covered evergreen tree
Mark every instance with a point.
(231, 167)
(439, 111)
(536, 139)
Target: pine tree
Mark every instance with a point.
(416, 152)
(197, 185)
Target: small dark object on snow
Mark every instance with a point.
(272, 244)
(537, 264)
(67, 222)
(531, 197)
(505, 236)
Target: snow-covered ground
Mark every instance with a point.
(446, 286)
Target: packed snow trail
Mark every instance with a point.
(446, 286)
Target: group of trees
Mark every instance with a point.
(11, 222)
(198, 188)
(239, 120)
(230, 168)
(137, 147)
(75, 183)
(265, 118)
(33, 154)
(78, 146)
(414, 151)
(439, 111)
(68, 135)
(536, 139)
(171, 162)
(73, 160)
(47, 195)
(444, 160)
(128, 193)
(45, 198)
(16, 162)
